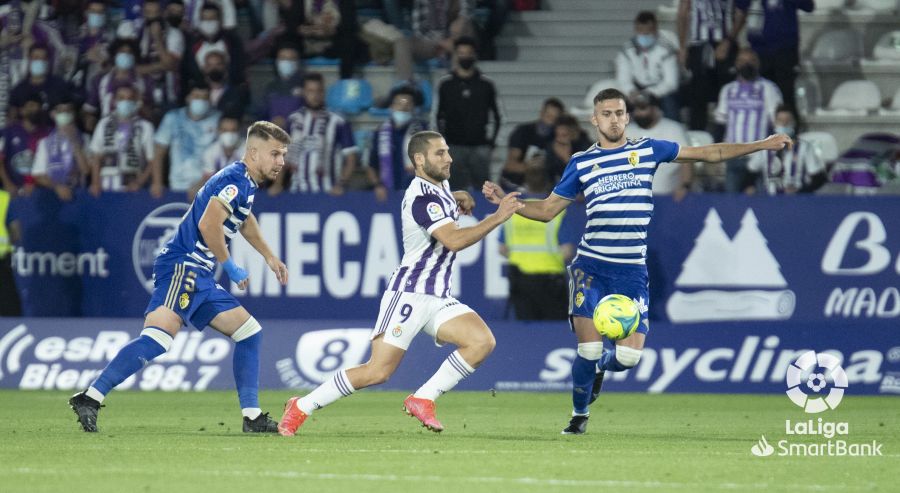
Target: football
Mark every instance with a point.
(616, 317)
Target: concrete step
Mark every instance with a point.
(599, 40)
(600, 15)
(636, 5)
(524, 68)
(575, 28)
(577, 55)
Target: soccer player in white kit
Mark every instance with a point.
(418, 294)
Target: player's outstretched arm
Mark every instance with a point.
(251, 232)
(722, 152)
(213, 233)
(455, 238)
(539, 210)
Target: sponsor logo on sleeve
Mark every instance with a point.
(228, 193)
(435, 211)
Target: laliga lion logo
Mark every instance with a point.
(151, 236)
(815, 365)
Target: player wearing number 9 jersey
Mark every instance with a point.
(615, 175)
(418, 294)
(185, 290)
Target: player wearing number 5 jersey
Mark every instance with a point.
(418, 294)
(616, 176)
(185, 290)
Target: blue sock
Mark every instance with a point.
(583, 373)
(131, 358)
(609, 362)
(246, 370)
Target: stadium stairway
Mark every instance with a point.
(559, 51)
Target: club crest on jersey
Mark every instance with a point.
(435, 211)
(184, 300)
(397, 331)
(579, 299)
(228, 193)
(633, 158)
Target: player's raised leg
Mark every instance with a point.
(160, 328)
(474, 342)
(246, 333)
(381, 365)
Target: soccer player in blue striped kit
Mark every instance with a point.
(185, 289)
(615, 175)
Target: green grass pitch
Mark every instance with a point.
(169, 442)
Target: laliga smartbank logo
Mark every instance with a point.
(816, 382)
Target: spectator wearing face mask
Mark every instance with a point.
(528, 139)
(799, 169)
(61, 163)
(388, 160)
(39, 83)
(674, 179)
(208, 35)
(466, 102)
(20, 140)
(283, 95)
(100, 101)
(121, 146)
(93, 45)
(184, 134)
(161, 47)
(747, 109)
(228, 98)
(228, 148)
(649, 63)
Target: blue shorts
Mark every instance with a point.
(590, 280)
(191, 292)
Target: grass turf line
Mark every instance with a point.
(171, 442)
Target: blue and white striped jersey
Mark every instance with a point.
(234, 188)
(617, 187)
(427, 263)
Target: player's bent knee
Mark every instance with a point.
(627, 356)
(249, 328)
(590, 350)
(161, 337)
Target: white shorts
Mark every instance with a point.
(403, 315)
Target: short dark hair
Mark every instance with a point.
(211, 6)
(555, 102)
(465, 41)
(268, 130)
(609, 93)
(38, 46)
(567, 120)
(406, 90)
(313, 77)
(193, 84)
(419, 142)
(645, 17)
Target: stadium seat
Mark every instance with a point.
(888, 47)
(824, 144)
(854, 97)
(699, 138)
(894, 108)
(349, 96)
(835, 189)
(587, 106)
(838, 46)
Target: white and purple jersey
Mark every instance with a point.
(710, 21)
(617, 186)
(426, 263)
(747, 108)
(320, 140)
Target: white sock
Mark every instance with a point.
(323, 395)
(251, 412)
(95, 394)
(451, 372)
